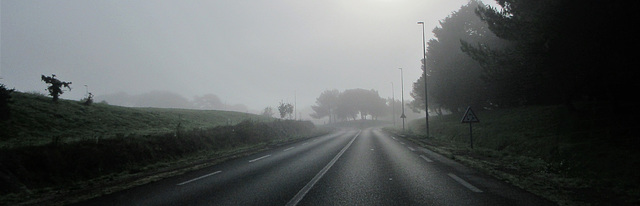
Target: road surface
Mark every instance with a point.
(347, 167)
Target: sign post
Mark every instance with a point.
(470, 117)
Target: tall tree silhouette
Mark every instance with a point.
(564, 50)
(55, 86)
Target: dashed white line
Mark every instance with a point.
(259, 158)
(394, 138)
(425, 158)
(288, 149)
(203, 176)
(401, 142)
(411, 148)
(464, 183)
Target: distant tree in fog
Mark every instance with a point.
(349, 105)
(267, 112)
(207, 101)
(55, 86)
(286, 109)
(162, 99)
(326, 105)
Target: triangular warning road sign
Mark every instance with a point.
(469, 116)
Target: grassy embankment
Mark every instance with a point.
(573, 158)
(58, 151)
(37, 121)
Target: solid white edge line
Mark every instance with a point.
(203, 176)
(425, 158)
(259, 158)
(464, 183)
(296, 199)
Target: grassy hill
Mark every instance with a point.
(36, 120)
(581, 157)
(68, 151)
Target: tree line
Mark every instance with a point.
(531, 52)
(351, 104)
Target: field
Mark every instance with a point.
(36, 120)
(68, 151)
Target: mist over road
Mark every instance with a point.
(346, 167)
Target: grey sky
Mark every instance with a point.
(252, 52)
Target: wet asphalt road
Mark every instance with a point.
(347, 167)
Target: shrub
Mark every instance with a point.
(5, 99)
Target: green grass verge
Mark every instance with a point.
(572, 158)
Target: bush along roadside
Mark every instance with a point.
(26, 170)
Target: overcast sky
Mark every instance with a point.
(251, 52)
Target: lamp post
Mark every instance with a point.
(424, 63)
(402, 85)
(393, 105)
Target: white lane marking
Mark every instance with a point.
(259, 158)
(306, 143)
(411, 148)
(401, 142)
(296, 199)
(203, 176)
(464, 183)
(426, 159)
(288, 149)
(394, 138)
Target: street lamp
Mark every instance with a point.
(393, 105)
(424, 63)
(402, 82)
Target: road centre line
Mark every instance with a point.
(425, 158)
(259, 158)
(296, 199)
(194, 179)
(464, 183)
(288, 149)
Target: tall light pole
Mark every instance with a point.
(393, 105)
(402, 82)
(424, 64)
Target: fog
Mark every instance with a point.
(247, 53)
